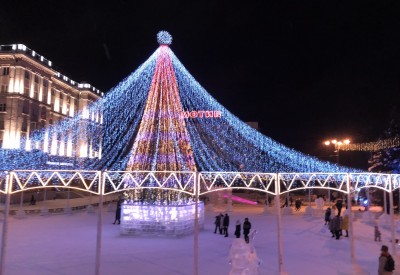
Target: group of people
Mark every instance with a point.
(297, 203)
(222, 225)
(337, 224)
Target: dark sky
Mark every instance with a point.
(305, 70)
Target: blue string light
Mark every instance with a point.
(222, 143)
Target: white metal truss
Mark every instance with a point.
(117, 181)
(214, 181)
(22, 180)
(298, 181)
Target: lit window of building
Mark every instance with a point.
(33, 95)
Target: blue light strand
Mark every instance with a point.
(218, 144)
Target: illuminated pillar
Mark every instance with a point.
(4, 236)
(99, 223)
(196, 224)
(350, 215)
(279, 223)
(392, 226)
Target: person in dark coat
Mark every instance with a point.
(327, 215)
(217, 223)
(33, 201)
(118, 213)
(377, 233)
(339, 205)
(382, 261)
(225, 224)
(238, 228)
(335, 226)
(246, 229)
(221, 227)
(297, 204)
(285, 204)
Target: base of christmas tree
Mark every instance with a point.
(160, 220)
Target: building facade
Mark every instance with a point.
(34, 96)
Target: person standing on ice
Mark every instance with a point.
(285, 204)
(221, 227)
(377, 234)
(339, 205)
(238, 228)
(33, 201)
(118, 213)
(382, 261)
(246, 229)
(225, 224)
(327, 216)
(335, 227)
(345, 224)
(217, 223)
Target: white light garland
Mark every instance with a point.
(224, 143)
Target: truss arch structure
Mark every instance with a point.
(337, 181)
(289, 182)
(385, 182)
(25, 180)
(217, 181)
(119, 181)
(207, 182)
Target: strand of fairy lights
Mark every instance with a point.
(219, 144)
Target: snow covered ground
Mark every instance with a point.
(65, 245)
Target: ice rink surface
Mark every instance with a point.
(65, 244)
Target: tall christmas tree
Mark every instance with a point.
(159, 118)
(162, 142)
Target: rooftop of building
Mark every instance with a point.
(21, 48)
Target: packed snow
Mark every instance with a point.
(65, 244)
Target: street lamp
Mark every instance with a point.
(337, 144)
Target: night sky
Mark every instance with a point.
(305, 70)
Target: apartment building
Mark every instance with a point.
(34, 95)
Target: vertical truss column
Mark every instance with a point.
(196, 224)
(4, 236)
(350, 215)
(393, 233)
(279, 222)
(99, 222)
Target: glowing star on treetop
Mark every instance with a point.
(164, 38)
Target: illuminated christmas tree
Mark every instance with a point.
(160, 118)
(162, 142)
